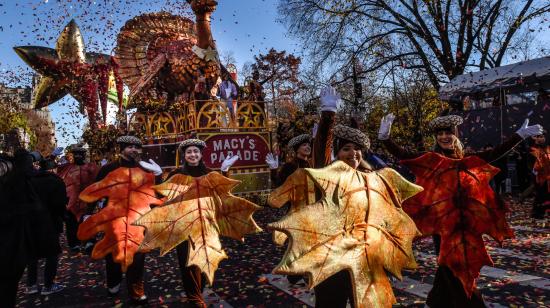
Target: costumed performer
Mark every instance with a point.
(301, 146)
(456, 196)
(127, 184)
(352, 202)
(77, 175)
(193, 165)
(540, 164)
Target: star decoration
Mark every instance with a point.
(68, 69)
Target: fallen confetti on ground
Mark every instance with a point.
(520, 276)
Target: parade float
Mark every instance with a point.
(171, 68)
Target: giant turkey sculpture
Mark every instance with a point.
(162, 55)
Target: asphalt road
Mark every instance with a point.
(520, 276)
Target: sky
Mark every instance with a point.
(244, 27)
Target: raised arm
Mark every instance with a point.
(322, 141)
(392, 147)
(525, 131)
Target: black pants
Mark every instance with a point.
(50, 270)
(447, 290)
(71, 228)
(191, 277)
(134, 274)
(8, 287)
(542, 198)
(335, 291)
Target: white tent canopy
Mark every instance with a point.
(519, 77)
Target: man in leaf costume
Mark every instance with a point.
(77, 176)
(457, 206)
(540, 164)
(198, 209)
(345, 223)
(128, 185)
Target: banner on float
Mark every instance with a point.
(250, 147)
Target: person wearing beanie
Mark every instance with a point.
(336, 146)
(130, 149)
(348, 145)
(539, 161)
(448, 290)
(77, 176)
(193, 165)
(301, 146)
(53, 195)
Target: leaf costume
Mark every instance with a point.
(358, 225)
(130, 194)
(76, 178)
(457, 203)
(198, 210)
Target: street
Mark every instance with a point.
(520, 276)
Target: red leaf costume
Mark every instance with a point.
(130, 195)
(459, 205)
(542, 165)
(76, 178)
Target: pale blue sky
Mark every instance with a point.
(245, 27)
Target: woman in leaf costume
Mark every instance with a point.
(193, 165)
(540, 164)
(345, 222)
(457, 206)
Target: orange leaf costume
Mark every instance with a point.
(459, 205)
(76, 178)
(542, 165)
(198, 210)
(130, 194)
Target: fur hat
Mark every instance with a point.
(76, 148)
(344, 134)
(125, 141)
(192, 142)
(448, 122)
(297, 141)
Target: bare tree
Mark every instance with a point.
(441, 38)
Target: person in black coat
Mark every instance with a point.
(26, 227)
(53, 195)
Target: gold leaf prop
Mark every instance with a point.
(296, 189)
(198, 210)
(358, 225)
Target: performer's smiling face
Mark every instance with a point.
(304, 150)
(131, 152)
(445, 139)
(351, 154)
(193, 155)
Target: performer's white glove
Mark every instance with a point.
(330, 99)
(272, 161)
(526, 131)
(385, 126)
(535, 172)
(58, 151)
(151, 166)
(228, 162)
(85, 217)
